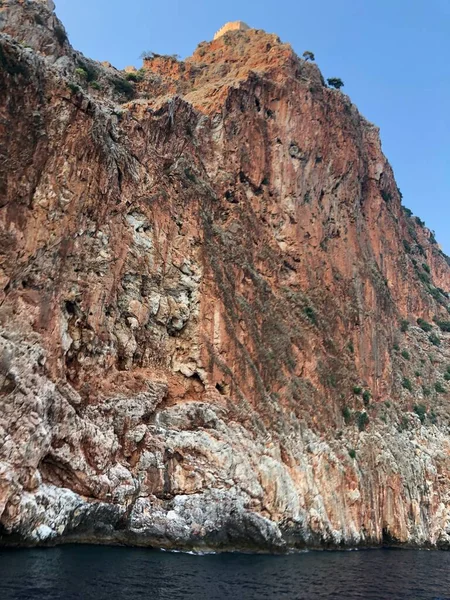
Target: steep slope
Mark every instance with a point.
(220, 327)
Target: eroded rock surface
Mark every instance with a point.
(219, 326)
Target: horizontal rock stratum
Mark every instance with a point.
(219, 326)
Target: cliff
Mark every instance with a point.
(219, 326)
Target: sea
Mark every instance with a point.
(109, 573)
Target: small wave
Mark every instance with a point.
(192, 552)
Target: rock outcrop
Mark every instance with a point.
(219, 326)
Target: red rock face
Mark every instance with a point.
(210, 295)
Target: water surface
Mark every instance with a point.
(97, 573)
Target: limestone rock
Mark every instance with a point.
(219, 328)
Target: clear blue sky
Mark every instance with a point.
(393, 55)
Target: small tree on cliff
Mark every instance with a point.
(335, 82)
(307, 55)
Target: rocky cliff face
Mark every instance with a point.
(219, 326)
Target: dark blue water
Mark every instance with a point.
(97, 573)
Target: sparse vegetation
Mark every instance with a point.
(439, 387)
(86, 70)
(407, 384)
(95, 85)
(190, 175)
(443, 325)
(363, 420)
(82, 73)
(73, 87)
(404, 325)
(406, 355)
(347, 414)
(352, 453)
(308, 55)
(421, 411)
(434, 339)
(427, 327)
(311, 314)
(335, 82)
(123, 87)
(424, 278)
(420, 222)
(135, 77)
(366, 397)
(408, 212)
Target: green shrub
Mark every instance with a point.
(81, 72)
(407, 384)
(352, 453)
(190, 175)
(387, 403)
(347, 414)
(366, 397)
(95, 85)
(350, 347)
(439, 387)
(417, 373)
(408, 212)
(90, 72)
(311, 314)
(357, 390)
(335, 82)
(407, 246)
(443, 325)
(424, 278)
(421, 411)
(424, 325)
(406, 355)
(447, 376)
(73, 87)
(308, 55)
(387, 196)
(396, 347)
(420, 222)
(363, 419)
(136, 77)
(122, 87)
(404, 325)
(426, 268)
(426, 390)
(434, 339)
